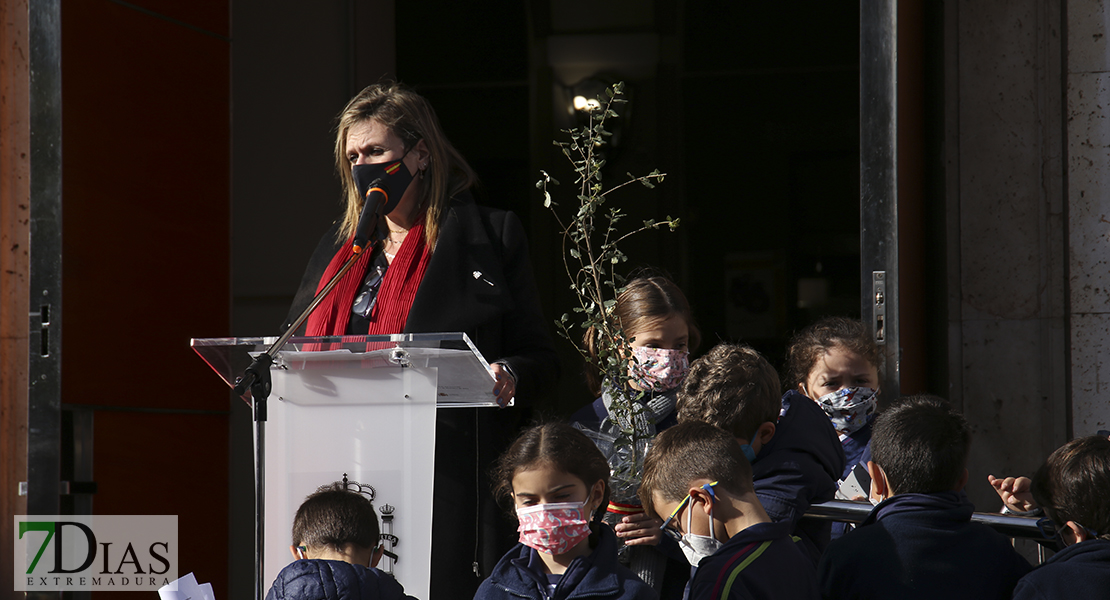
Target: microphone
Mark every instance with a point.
(377, 194)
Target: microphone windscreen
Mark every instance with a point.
(376, 193)
(379, 174)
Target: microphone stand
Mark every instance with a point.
(256, 377)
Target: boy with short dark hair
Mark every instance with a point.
(919, 541)
(794, 452)
(1073, 486)
(336, 544)
(697, 474)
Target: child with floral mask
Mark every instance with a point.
(557, 481)
(656, 317)
(835, 362)
(657, 320)
(697, 474)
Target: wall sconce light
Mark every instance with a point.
(583, 104)
(583, 98)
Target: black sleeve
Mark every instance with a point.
(526, 344)
(317, 264)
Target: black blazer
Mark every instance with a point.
(479, 281)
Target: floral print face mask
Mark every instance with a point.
(849, 408)
(553, 528)
(658, 369)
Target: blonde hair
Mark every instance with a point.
(410, 117)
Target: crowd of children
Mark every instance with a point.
(733, 467)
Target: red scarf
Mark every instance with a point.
(395, 296)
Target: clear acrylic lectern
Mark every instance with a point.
(360, 406)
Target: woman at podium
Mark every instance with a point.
(442, 264)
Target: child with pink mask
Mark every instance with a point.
(558, 483)
(656, 317)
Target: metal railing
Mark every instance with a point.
(1008, 525)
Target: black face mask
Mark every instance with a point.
(393, 177)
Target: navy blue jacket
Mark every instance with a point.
(800, 467)
(316, 579)
(595, 575)
(767, 563)
(857, 450)
(921, 546)
(1079, 571)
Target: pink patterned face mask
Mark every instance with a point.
(553, 528)
(659, 369)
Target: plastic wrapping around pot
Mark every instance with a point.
(625, 458)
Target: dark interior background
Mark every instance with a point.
(751, 109)
(758, 133)
(194, 133)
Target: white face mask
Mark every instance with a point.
(698, 547)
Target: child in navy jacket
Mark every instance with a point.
(336, 544)
(795, 455)
(697, 474)
(1072, 487)
(826, 361)
(519, 574)
(919, 541)
(835, 362)
(558, 483)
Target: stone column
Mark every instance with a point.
(1087, 81)
(1006, 233)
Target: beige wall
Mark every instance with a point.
(1028, 211)
(1087, 81)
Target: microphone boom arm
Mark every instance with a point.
(258, 373)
